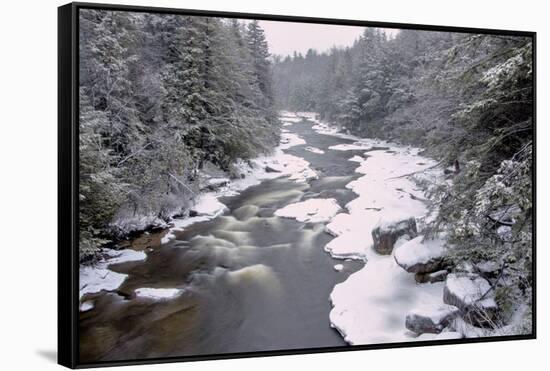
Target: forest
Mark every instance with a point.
(467, 99)
(161, 97)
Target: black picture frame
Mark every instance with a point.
(68, 167)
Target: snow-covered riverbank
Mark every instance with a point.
(372, 304)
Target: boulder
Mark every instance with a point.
(487, 269)
(385, 236)
(431, 320)
(473, 295)
(420, 255)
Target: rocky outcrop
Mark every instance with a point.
(385, 236)
(420, 255)
(431, 320)
(473, 295)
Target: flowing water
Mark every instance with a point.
(252, 281)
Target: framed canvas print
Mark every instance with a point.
(235, 185)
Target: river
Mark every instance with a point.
(251, 281)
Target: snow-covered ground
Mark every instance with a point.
(372, 304)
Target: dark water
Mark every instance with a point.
(252, 281)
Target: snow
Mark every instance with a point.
(449, 335)
(315, 150)
(289, 140)
(469, 289)
(86, 306)
(371, 305)
(158, 294)
(314, 210)
(208, 205)
(290, 120)
(338, 267)
(293, 167)
(93, 279)
(435, 314)
(123, 256)
(350, 147)
(417, 251)
(218, 182)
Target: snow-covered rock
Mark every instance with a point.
(338, 267)
(420, 255)
(314, 210)
(473, 295)
(430, 319)
(157, 294)
(386, 235)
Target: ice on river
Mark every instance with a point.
(314, 210)
(289, 140)
(158, 294)
(95, 278)
(315, 150)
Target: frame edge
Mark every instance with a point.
(66, 255)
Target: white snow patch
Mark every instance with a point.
(208, 205)
(314, 210)
(315, 150)
(290, 140)
(86, 306)
(158, 294)
(356, 159)
(350, 147)
(338, 267)
(93, 279)
(448, 335)
(295, 168)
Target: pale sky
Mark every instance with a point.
(286, 37)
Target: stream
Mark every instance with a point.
(250, 280)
